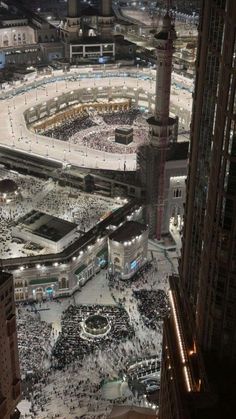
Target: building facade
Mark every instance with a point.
(22, 33)
(51, 275)
(127, 249)
(87, 34)
(206, 287)
(10, 372)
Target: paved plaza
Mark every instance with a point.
(76, 389)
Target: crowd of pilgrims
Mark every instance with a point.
(140, 276)
(73, 383)
(70, 127)
(104, 140)
(153, 306)
(83, 209)
(34, 340)
(97, 131)
(72, 343)
(29, 188)
(47, 196)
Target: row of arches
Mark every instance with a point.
(46, 38)
(39, 292)
(17, 38)
(177, 193)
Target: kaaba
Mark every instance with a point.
(124, 135)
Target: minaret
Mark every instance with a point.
(72, 8)
(106, 8)
(72, 22)
(164, 52)
(106, 19)
(162, 132)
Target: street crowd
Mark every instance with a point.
(80, 365)
(48, 197)
(73, 343)
(34, 341)
(153, 306)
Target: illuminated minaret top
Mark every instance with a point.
(164, 52)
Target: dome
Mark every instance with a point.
(96, 325)
(96, 321)
(8, 186)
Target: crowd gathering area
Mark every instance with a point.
(77, 341)
(97, 131)
(47, 196)
(70, 347)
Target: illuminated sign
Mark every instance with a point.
(133, 265)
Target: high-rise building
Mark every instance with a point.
(203, 297)
(9, 362)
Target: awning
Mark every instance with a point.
(102, 252)
(41, 281)
(80, 269)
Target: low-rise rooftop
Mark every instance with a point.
(128, 231)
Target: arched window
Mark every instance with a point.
(5, 41)
(63, 283)
(116, 261)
